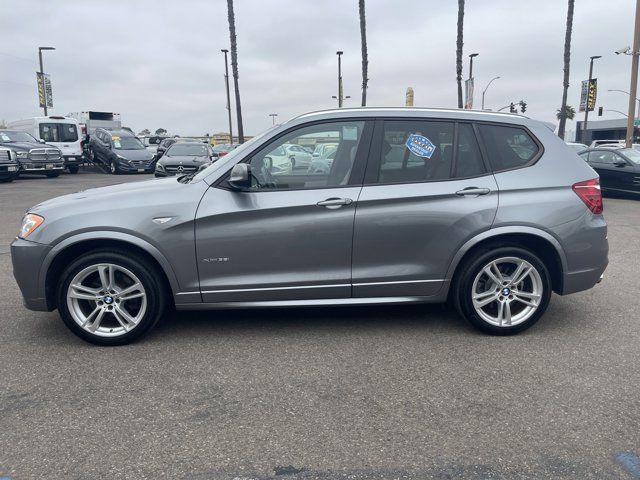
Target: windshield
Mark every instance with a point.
(11, 136)
(238, 151)
(191, 149)
(632, 154)
(222, 148)
(126, 143)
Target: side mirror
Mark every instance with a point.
(41, 141)
(240, 177)
(620, 163)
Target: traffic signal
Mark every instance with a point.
(523, 106)
(512, 108)
(599, 111)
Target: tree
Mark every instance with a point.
(565, 82)
(234, 67)
(161, 131)
(144, 132)
(569, 114)
(365, 58)
(459, 44)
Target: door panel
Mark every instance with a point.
(405, 236)
(275, 245)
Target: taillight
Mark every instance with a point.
(589, 192)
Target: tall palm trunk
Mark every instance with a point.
(459, 44)
(365, 59)
(234, 66)
(567, 61)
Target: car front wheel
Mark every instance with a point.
(503, 291)
(109, 297)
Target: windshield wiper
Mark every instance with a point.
(187, 177)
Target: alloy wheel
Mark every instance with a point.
(106, 300)
(507, 291)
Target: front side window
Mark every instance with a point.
(603, 156)
(508, 147)
(272, 168)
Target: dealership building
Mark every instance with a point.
(601, 130)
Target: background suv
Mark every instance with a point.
(492, 212)
(121, 151)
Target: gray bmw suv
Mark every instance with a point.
(490, 211)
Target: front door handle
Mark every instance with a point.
(334, 203)
(472, 191)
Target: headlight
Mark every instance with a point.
(22, 154)
(30, 222)
(159, 166)
(120, 157)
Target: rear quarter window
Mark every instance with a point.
(508, 147)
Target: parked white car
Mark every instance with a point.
(278, 162)
(299, 156)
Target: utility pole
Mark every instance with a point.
(226, 82)
(586, 106)
(634, 77)
(40, 49)
(339, 53)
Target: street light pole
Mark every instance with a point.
(40, 49)
(469, 100)
(339, 53)
(586, 107)
(226, 82)
(273, 118)
(634, 76)
(485, 90)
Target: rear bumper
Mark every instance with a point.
(27, 259)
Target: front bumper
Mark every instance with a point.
(41, 167)
(8, 170)
(72, 160)
(27, 259)
(136, 167)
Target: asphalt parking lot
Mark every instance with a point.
(360, 393)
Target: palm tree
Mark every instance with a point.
(564, 109)
(234, 66)
(569, 114)
(459, 50)
(365, 59)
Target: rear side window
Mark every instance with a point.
(423, 151)
(508, 147)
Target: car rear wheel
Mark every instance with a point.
(73, 169)
(503, 291)
(110, 298)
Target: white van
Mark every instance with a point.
(61, 132)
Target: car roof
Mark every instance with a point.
(370, 112)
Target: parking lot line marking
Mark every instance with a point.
(630, 462)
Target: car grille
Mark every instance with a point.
(45, 154)
(140, 163)
(180, 169)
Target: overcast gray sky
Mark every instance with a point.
(159, 64)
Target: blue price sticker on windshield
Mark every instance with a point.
(420, 146)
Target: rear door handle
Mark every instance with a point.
(334, 203)
(472, 191)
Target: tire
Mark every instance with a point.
(144, 308)
(53, 175)
(73, 169)
(9, 179)
(113, 168)
(509, 308)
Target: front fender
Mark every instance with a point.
(110, 235)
